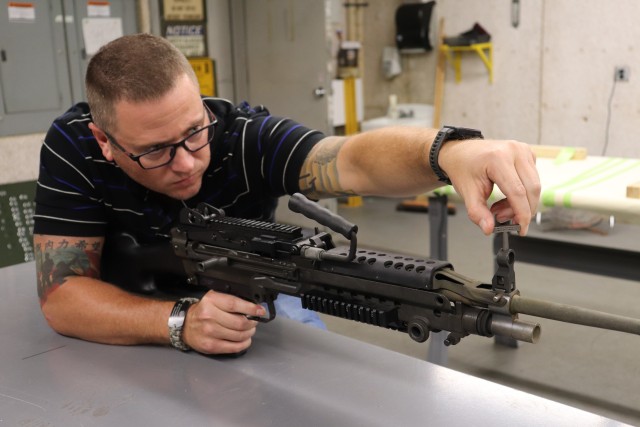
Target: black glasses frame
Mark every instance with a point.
(173, 147)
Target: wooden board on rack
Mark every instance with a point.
(633, 191)
(553, 151)
(439, 81)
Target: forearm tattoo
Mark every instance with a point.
(319, 174)
(59, 257)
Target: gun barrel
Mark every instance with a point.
(520, 330)
(572, 314)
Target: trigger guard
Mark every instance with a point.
(271, 314)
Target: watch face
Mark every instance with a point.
(466, 133)
(177, 321)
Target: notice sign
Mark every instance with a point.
(188, 38)
(183, 10)
(21, 12)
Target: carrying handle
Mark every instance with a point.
(300, 204)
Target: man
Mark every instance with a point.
(151, 145)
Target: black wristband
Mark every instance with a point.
(448, 133)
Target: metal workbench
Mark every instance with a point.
(293, 375)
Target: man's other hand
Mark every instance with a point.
(475, 165)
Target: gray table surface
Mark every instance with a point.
(293, 375)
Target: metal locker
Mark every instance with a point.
(34, 75)
(123, 10)
(43, 57)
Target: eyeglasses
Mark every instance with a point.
(157, 157)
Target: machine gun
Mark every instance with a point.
(257, 260)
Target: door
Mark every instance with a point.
(34, 73)
(43, 57)
(282, 59)
(121, 12)
(288, 54)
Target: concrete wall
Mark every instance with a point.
(553, 74)
(414, 85)
(583, 42)
(19, 158)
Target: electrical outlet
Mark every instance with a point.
(621, 74)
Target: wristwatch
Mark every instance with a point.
(176, 322)
(448, 133)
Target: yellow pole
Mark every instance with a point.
(351, 123)
(350, 115)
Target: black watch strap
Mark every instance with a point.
(448, 133)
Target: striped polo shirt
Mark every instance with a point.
(255, 158)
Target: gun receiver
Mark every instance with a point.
(258, 260)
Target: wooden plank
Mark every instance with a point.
(421, 205)
(439, 82)
(633, 191)
(552, 151)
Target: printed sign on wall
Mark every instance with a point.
(189, 39)
(21, 12)
(183, 10)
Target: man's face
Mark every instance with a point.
(142, 126)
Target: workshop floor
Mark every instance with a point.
(591, 369)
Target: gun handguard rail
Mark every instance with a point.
(257, 260)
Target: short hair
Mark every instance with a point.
(136, 68)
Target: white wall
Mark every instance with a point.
(508, 108)
(583, 42)
(20, 157)
(553, 75)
